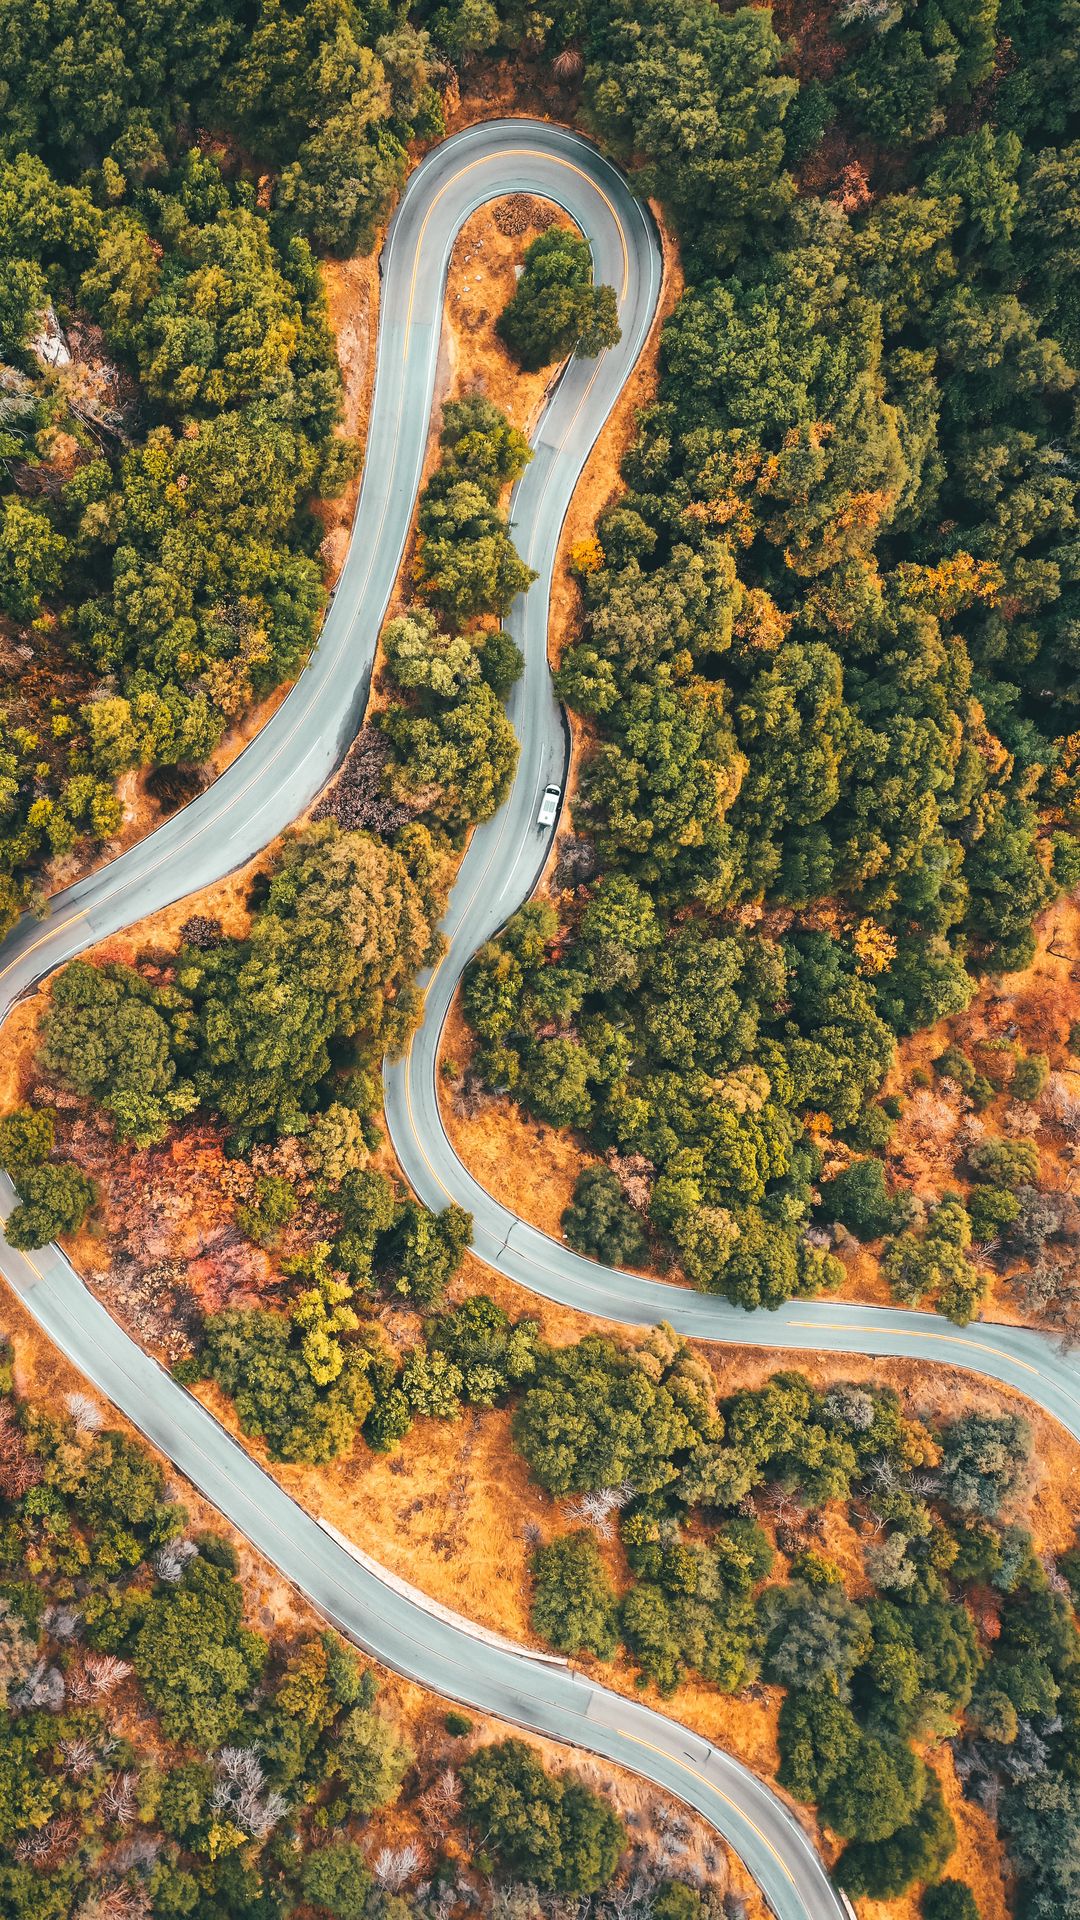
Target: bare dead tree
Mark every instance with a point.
(104, 1672)
(19, 1468)
(118, 1802)
(120, 1901)
(62, 1622)
(137, 1853)
(43, 1688)
(260, 1817)
(440, 1804)
(85, 1412)
(171, 1560)
(395, 1866)
(202, 930)
(43, 1843)
(79, 1757)
(596, 1509)
(358, 797)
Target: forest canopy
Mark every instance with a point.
(169, 390)
(827, 648)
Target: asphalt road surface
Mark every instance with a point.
(265, 789)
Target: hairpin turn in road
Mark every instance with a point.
(272, 782)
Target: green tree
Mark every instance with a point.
(555, 309)
(599, 1221)
(257, 1359)
(26, 1138)
(456, 759)
(990, 1209)
(369, 1208)
(596, 1418)
(573, 1605)
(1042, 1819)
(859, 1197)
(335, 1143)
(492, 1353)
(949, 1900)
(111, 1035)
(54, 1199)
(546, 1829)
(33, 555)
(432, 1384)
(370, 1760)
(876, 1793)
(343, 926)
(936, 1262)
(467, 565)
(196, 1661)
(985, 1461)
(699, 93)
(1007, 1163)
(619, 929)
(883, 1869)
(336, 1877)
(817, 1638)
(275, 1204)
(429, 1249)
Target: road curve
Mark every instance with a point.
(265, 789)
(400, 1632)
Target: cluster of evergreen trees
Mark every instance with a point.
(247, 1767)
(156, 549)
(238, 1753)
(966, 1635)
(829, 631)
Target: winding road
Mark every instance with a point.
(277, 776)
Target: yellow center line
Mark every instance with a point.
(513, 153)
(720, 1794)
(486, 160)
(909, 1333)
(58, 927)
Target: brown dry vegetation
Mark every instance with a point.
(454, 1512)
(163, 1244)
(533, 1167)
(1032, 1011)
(472, 359)
(276, 1608)
(148, 796)
(513, 85)
(524, 1163)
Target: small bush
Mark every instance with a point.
(1030, 1075)
(860, 1199)
(1006, 1163)
(573, 1601)
(55, 1199)
(949, 1900)
(990, 1209)
(599, 1222)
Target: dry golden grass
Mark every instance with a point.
(456, 1514)
(450, 1512)
(1034, 1010)
(352, 298)
(600, 483)
(524, 1163)
(276, 1608)
(352, 289)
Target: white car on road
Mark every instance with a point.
(549, 807)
